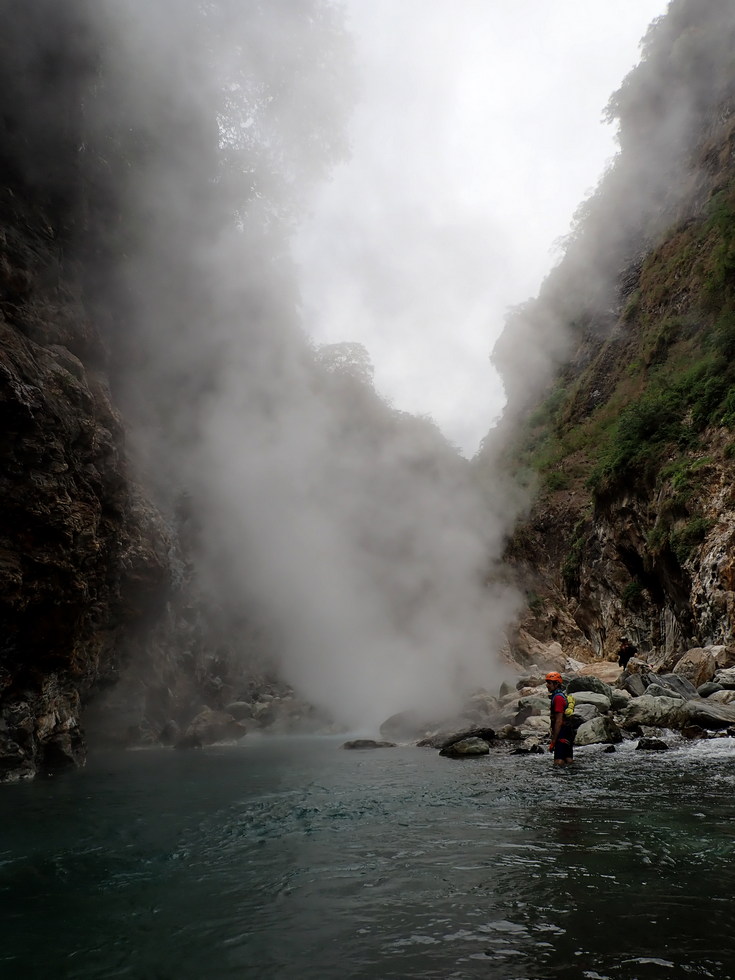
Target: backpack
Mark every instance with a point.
(571, 704)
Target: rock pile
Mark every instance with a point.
(693, 695)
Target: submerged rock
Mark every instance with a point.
(651, 745)
(367, 743)
(466, 747)
(442, 740)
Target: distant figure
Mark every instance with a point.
(626, 651)
(562, 732)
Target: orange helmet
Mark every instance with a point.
(554, 675)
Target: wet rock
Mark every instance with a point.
(534, 749)
(466, 748)
(694, 732)
(211, 726)
(659, 712)
(367, 743)
(443, 740)
(651, 745)
(598, 731)
(609, 748)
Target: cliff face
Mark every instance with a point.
(630, 455)
(83, 555)
(88, 566)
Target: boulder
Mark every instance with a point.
(583, 713)
(240, 710)
(211, 726)
(711, 687)
(590, 685)
(620, 699)
(534, 705)
(443, 740)
(598, 731)
(676, 683)
(465, 748)
(367, 743)
(511, 733)
(726, 678)
(659, 712)
(722, 697)
(651, 745)
(698, 665)
(481, 707)
(724, 657)
(600, 701)
(535, 724)
(633, 684)
(658, 691)
(705, 714)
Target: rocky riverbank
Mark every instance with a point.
(694, 696)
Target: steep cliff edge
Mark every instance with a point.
(83, 554)
(88, 565)
(629, 457)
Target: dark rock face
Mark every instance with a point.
(651, 745)
(83, 555)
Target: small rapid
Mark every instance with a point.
(286, 858)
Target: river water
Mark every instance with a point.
(291, 858)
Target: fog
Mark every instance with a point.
(354, 539)
(477, 133)
(349, 536)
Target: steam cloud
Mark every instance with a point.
(356, 535)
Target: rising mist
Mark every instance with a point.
(353, 535)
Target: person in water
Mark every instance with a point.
(562, 733)
(626, 651)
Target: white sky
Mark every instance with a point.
(478, 133)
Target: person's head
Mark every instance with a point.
(553, 680)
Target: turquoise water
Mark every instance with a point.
(293, 858)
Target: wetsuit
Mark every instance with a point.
(564, 744)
